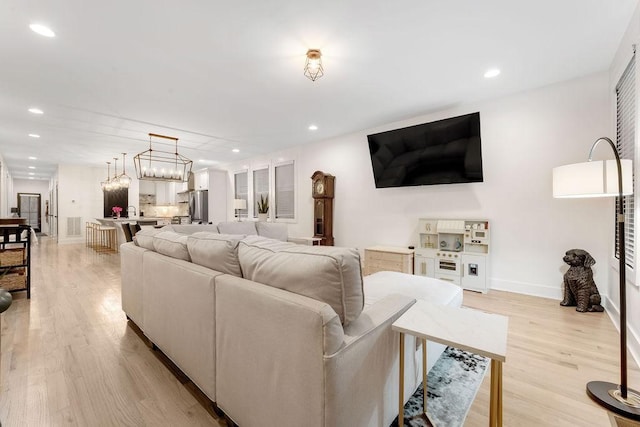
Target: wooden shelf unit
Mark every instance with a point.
(15, 258)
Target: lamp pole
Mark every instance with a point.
(616, 398)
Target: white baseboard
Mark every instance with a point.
(533, 289)
(633, 341)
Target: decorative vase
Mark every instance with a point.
(117, 215)
(262, 217)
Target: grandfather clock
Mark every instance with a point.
(322, 191)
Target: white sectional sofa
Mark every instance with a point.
(277, 334)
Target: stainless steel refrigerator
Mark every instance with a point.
(198, 206)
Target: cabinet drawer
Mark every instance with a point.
(385, 266)
(384, 256)
(447, 278)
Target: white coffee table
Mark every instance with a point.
(467, 329)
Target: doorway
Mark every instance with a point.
(29, 208)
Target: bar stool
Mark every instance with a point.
(107, 238)
(88, 234)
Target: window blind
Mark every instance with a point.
(285, 191)
(260, 188)
(241, 190)
(625, 142)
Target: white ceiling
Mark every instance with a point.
(223, 75)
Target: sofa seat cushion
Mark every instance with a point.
(215, 251)
(324, 273)
(244, 228)
(378, 285)
(171, 244)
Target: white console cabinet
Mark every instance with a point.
(454, 250)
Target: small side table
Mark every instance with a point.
(467, 329)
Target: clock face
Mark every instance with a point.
(319, 187)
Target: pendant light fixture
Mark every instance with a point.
(106, 184)
(313, 67)
(157, 165)
(124, 179)
(115, 183)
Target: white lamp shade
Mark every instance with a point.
(592, 179)
(239, 204)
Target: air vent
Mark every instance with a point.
(73, 226)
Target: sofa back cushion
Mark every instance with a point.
(245, 228)
(144, 238)
(191, 228)
(272, 230)
(171, 244)
(215, 251)
(324, 273)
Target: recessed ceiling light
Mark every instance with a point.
(31, 177)
(32, 167)
(34, 135)
(33, 158)
(36, 111)
(313, 127)
(235, 150)
(42, 30)
(31, 173)
(493, 72)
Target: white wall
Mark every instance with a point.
(32, 186)
(523, 138)
(619, 64)
(79, 195)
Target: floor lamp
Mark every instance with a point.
(608, 178)
(238, 205)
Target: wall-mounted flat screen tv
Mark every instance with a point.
(443, 152)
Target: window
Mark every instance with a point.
(625, 142)
(260, 188)
(285, 191)
(241, 190)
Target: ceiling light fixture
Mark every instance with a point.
(34, 135)
(106, 184)
(32, 167)
(123, 178)
(36, 111)
(313, 67)
(156, 165)
(33, 158)
(313, 127)
(31, 173)
(491, 73)
(42, 30)
(235, 150)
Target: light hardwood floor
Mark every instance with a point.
(68, 356)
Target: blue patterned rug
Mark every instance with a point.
(452, 385)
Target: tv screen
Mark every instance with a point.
(442, 152)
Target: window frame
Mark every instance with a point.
(274, 218)
(254, 199)
(237, 215)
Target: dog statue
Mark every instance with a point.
(579, 288)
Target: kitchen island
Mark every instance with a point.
(143, 221)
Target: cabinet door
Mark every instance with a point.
(474, 272)
(424, 266)
(147, 187)
(202, 180)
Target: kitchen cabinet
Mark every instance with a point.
(201, 180)
(165, 193)
(147, 187)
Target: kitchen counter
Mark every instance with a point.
(143, 220)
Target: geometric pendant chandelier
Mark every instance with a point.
(313, 66)
(158, 165)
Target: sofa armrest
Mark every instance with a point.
(131, 257)
(365, 372)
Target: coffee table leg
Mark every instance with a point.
(401, 382)
(424, 376)
(495, 409)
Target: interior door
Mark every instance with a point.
(29, 208)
